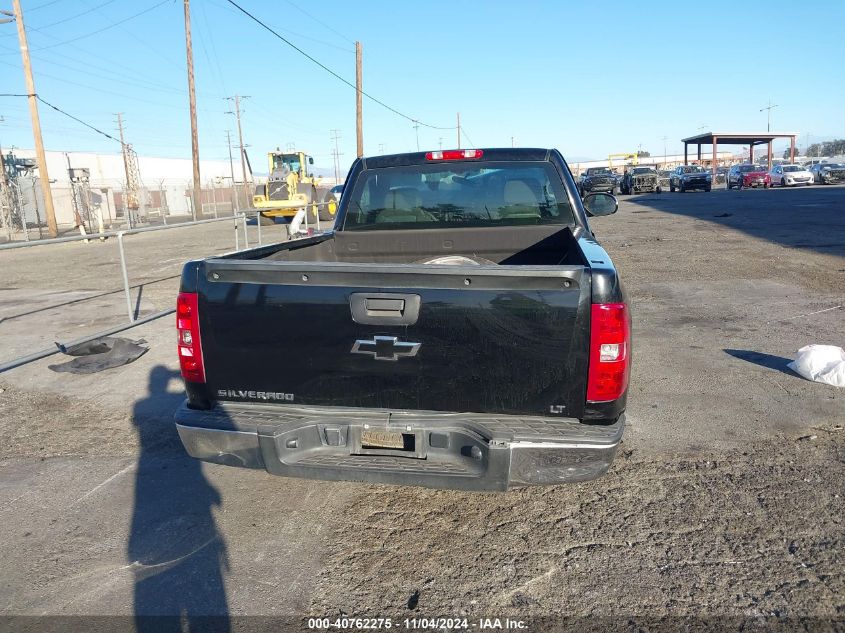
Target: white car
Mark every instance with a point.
(790, 175)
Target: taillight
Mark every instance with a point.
(610, 352)
(454, 154)
(188, 332)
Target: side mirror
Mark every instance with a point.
(310, 160)
(598, 204)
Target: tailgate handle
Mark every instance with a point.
(384, 308)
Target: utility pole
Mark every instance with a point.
(336, 155)
(236, 205)
(768, 110)
(237, 113)
(130, 167)
(512, 141)
(459, 130)
(6, 198)
(359, 121)
(40, 155)
(77, 217)
(664, 151)
(440, 143)
(195, 144)
(381, 148)
(417, 132)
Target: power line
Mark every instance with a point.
(105, 28)
(467, 136)
(111, 92)
(88, 125)
(333, 73)
(155, 49)
(42, 6)
(88, 64)
(210, 35)
(294, 33)
(67, 114)
(318, 21)
(76, 15)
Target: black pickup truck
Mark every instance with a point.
(460, 328)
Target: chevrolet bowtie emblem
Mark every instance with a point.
(385, 348)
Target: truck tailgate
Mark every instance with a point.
(489, 339)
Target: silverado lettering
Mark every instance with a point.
(260, 395)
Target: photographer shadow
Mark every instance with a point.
(176, 551)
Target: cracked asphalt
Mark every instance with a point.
(723, 510)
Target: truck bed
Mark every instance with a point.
(526, 246)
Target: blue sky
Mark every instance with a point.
(587, 78)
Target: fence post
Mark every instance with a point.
(258, 226)
(125, 277)
(237, 236)
(246, 237)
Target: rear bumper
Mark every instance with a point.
(448, 450)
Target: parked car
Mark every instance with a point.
(597, 179)
(748, 175)
(790, 175)
(828, 173)
(686, 177)
(336, 191)
(640, 179)
(814, 161)
(494, 351)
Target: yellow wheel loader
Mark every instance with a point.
(290, 188)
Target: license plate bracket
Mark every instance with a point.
(388, 441)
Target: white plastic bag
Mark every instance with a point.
(821, 363)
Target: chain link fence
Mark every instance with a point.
(82, 205)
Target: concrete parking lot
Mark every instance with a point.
(725, 504)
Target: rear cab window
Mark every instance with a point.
(458, 194)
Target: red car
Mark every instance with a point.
(748, 176)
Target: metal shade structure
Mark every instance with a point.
(737, 138)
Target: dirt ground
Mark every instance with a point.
(754, 532)
(723, 510)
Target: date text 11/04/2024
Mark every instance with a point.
(416, 624)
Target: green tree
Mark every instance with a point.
(827, 148)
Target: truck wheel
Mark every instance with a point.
(783, 182)
(328, 209)
(707, 189)
(682, 188)
(728, 184)
(658, 190)
(671, 187)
